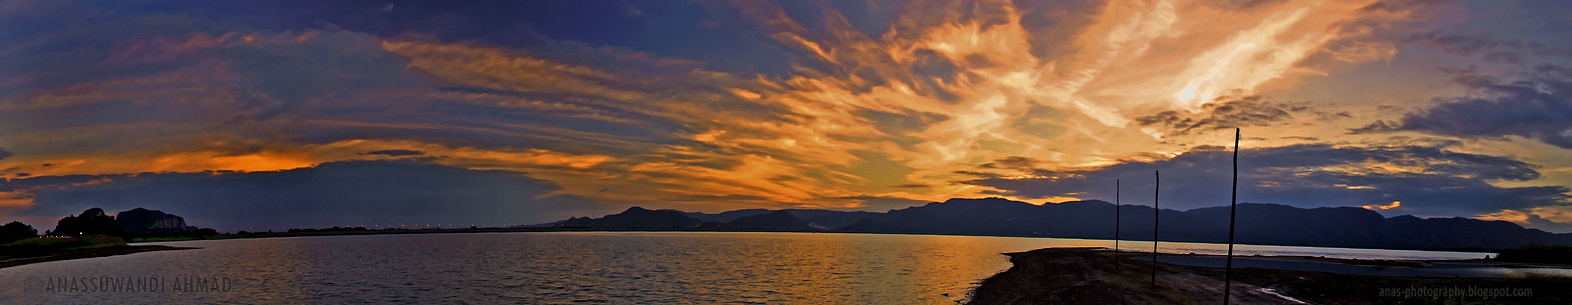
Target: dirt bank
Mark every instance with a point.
(1089, 276)
(86, 253)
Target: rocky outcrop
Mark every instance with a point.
(140, 220)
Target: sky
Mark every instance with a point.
(244, 115)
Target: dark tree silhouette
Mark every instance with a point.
(92, 221)
(15, 231)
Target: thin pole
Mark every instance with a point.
(1157, 212)
(1233, 212)
(1116, 225)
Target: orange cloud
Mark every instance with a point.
(193, 161)
(15, 201)
(859, 121)
(1521, 217)
(1390, 206)
(1131, 59)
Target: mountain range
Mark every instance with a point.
(1257, 223)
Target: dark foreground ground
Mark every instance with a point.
(1090, 276)
(85, 253)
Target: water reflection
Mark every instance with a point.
(567, 267)
(1247, 250)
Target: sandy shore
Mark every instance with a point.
(86, 253)
(1089, 276)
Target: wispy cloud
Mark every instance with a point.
(1537, 106)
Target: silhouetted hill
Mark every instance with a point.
(140, 220)
(830, 220)
(820, 219)
(1411, 232)
(777, 220)
(991, 216)
(635, 217)
(727, 216)
(1264, 224)
(1258, 223)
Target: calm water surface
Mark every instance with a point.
(580, 267)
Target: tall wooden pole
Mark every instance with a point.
(1116, 225)
(1156, 214)
(1233, 213)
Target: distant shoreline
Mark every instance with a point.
(87, 253)
(555, 229)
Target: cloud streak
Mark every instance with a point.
(1425, 179)
(1537, 107)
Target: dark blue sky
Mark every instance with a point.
(240, 114)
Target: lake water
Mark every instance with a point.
(569, 267)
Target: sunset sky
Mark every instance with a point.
(251, 114)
